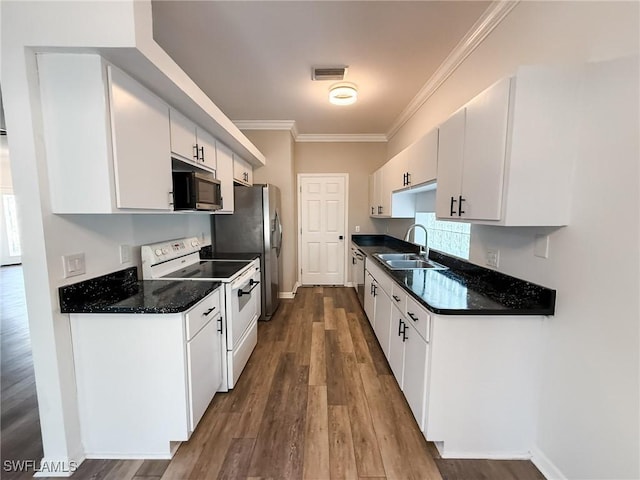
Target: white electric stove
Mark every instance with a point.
(180, 260)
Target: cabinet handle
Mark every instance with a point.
(206, 314)
(202, 154)
(396, 298)
(400, 322)
(460, 200)
(375, 290)
(404, 179)
(408, 178)
(220, 324)
(371, 289)
(170, 198)
(412, 316)
(451, 210)
(353, 260)
(195, 149)
(379, 209)
(404, 333)
(372, 208)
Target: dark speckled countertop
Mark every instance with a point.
(122, 292)
(463, 289)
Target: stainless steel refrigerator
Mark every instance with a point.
(255, 227)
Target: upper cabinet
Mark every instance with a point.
(242, 171)
(110, 142)
(506, 157)
(106, 138)
(416, 165)
(224, 157)
(390, 186)
(190, 143)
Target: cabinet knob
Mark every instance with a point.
(195, 150)
(202, 154)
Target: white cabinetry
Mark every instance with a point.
(191, 143)
(225, 174)
(157, 372)
(506, 157)
(416, 165)
(383, 202)
(242, 171)
(106, 138)
(470, 381)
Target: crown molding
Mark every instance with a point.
(268, 125)
(307, 137)
(362, 137)
(490, 19)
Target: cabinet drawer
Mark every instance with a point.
(419, 317)
(399, 297)
(204, 311)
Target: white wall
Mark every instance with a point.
(46, 237)
(589, 420)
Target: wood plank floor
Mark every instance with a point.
(317, 400)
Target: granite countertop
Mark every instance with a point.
(122, 292)
(462, 289)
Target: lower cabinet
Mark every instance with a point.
(145, 380)
(470, 381)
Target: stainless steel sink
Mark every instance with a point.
(398, 256)
(407, 261)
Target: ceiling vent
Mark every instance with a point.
(329, 73)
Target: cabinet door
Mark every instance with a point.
(207, 150)
(382, 324)
(183, 137)
(484, 152)
(369, 298)
(242, 171)
(224, 160)
(450, 159)
(423, 159)
(414, 383)
(396, 345)
(141, 149)
(395, 172)
(203, 359)
(377, 192)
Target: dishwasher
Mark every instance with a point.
(357, 272)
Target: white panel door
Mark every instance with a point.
(322, 215)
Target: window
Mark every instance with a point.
(448, 237)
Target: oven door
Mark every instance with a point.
(245, 305)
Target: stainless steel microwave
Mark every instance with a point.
(196, 191)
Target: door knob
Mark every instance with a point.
(341, 237)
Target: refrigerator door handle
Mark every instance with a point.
(278, 244)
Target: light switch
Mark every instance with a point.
(493, 257)
(125, 253)
(73, 265)
(541, 246)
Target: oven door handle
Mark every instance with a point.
(253, 283)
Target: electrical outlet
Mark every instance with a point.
(73, 265)
(493, 257)
(125, 253)
(357, 228)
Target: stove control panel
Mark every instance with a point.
(164, 251)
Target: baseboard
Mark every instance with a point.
(291, 294)
(486, 455)
(546, 466)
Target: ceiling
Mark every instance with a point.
(254, 58)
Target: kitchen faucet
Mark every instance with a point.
(423, 250)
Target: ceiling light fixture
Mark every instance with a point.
(343, 94)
